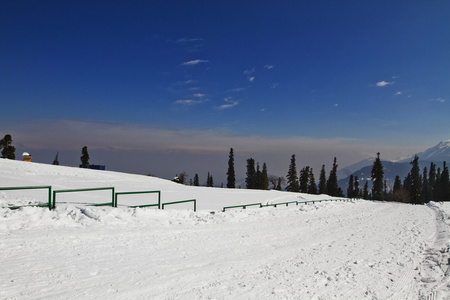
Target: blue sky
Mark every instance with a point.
(359, 75)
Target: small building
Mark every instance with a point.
(26, 156)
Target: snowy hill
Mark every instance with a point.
(327, 250)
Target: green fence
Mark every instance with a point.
(142, 192)
(244, 206)
(184, 201)
(49, 205)
(86, 190)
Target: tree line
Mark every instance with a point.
(417, 187)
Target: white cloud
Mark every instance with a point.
(188, 102)
(199, 95)
(268, 67)
(274, 85)
(336, 105)
(238, 89)
(384, 83)
(439, 99)
(229, 103)
(398, 93)
(251, 79)
(194, 62)
(249, 72)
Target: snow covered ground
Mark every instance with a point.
(327, 250)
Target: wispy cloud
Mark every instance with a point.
(398, 93)
(274, 85)
(194, 62)
(251, 78)
(238, 89)
(268, 67)
(249, 71)
(229, 103)
(188, 102)
(199, 95)
(439, 99)
(384, 83)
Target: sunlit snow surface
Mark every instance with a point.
(328, 250)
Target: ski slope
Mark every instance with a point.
(327, 250)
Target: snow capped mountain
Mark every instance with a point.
(438, 153)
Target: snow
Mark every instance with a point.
(327, 250)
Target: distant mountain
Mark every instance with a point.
(347, 171)
(437, 154)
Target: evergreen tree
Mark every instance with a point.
(415, 183)
(398, 191)
(84, 157)
(196, 181)
(231, 178)
(377, 179)
(323, 181)
(56, 161)
(292, 178)
(312, 186)
(264, 178)
(278, 187)
(357, 193)
(304, 179)
(425, 187)
(443, 185)
(258, 177)
(332, 182)
(251, 174)
(366, 195)
(432, 181)
(209, 180)
(350, 188)
(8, 150)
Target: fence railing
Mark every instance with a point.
(178, 202)
(114, 198)
(136, 193)
(49, 205)
(86, 190)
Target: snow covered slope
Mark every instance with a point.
(329, 250)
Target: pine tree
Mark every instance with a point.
(357, 193)
(251, 174)
(278, 187)
(304, 179)
(84, 157)
(332, 182)
(377, 179)
(432, 181)
(323, 181)
(443, 185)
(312, 186)
(366, 195)
(264, 178)
(292, 178)
(258, 177)
(415, 187)
(8, 150)
(231, 178)
(209, 180)
(196, 181)
(350, 188)
(425, 187)
(56, 161)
